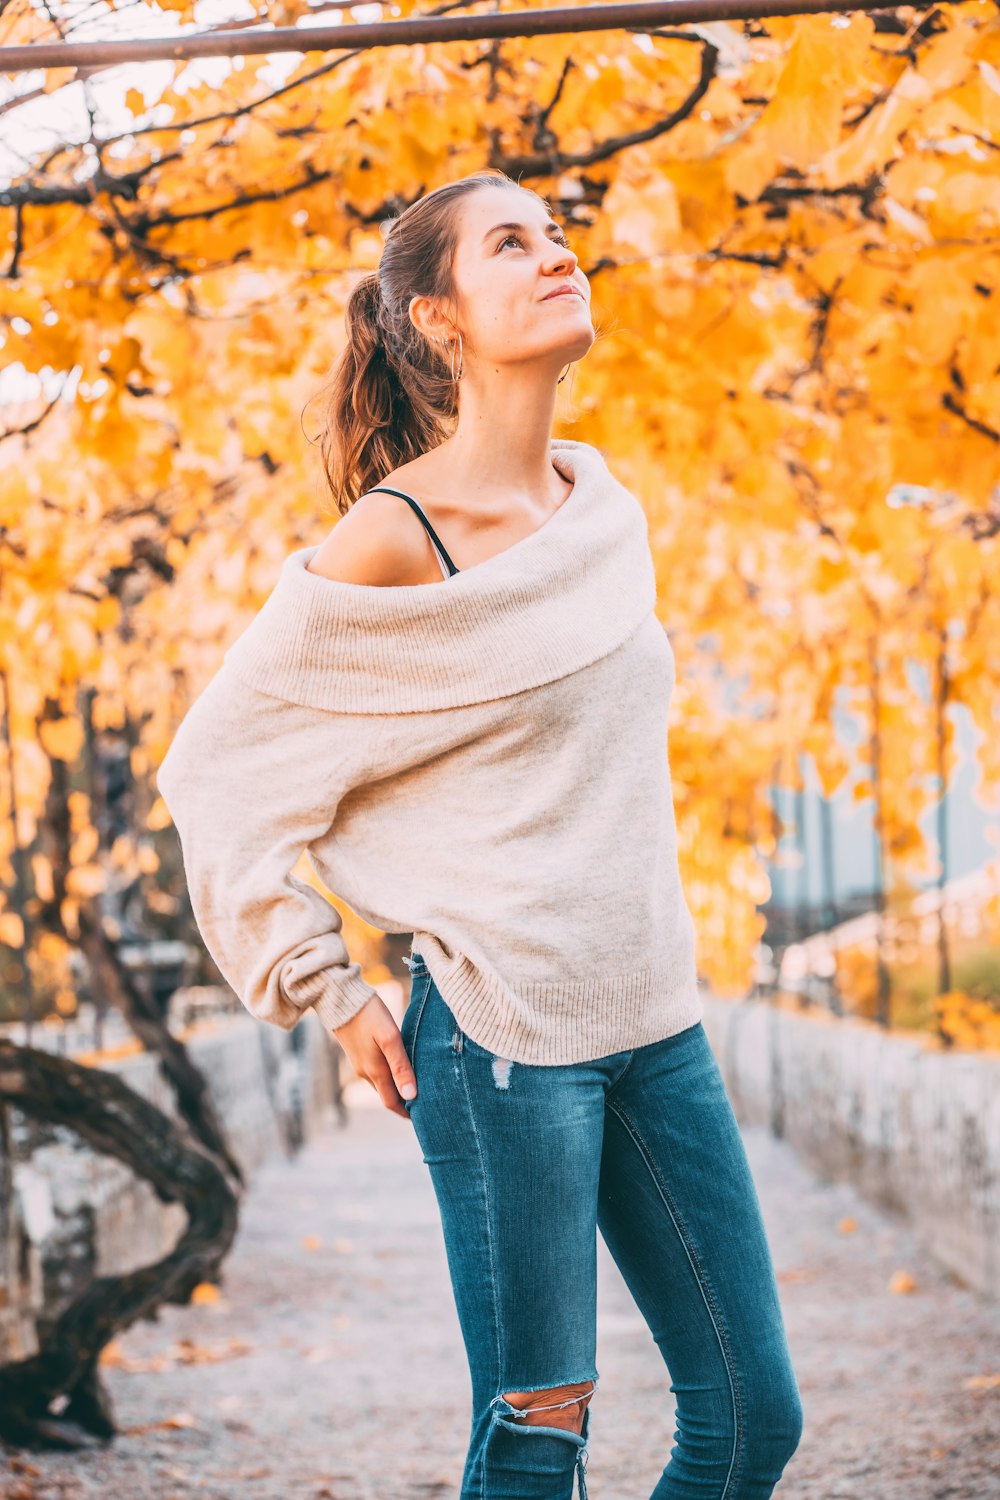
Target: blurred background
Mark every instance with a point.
(791, 226)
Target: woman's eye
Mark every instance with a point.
(559, 239)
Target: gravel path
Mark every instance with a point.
(331, 1365)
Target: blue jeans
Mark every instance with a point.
(527, 1162)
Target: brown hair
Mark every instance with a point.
(391, 394)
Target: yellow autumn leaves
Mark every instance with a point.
(792, 231)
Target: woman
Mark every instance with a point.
(458, 704)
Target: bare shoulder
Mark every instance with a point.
(378, 542)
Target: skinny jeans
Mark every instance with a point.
(527, 1164)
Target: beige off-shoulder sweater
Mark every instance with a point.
(481, 762)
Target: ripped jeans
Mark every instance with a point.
(527, 1163)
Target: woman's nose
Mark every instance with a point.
(565, 257)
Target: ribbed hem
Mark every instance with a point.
(341, 1000)
(550, 1023)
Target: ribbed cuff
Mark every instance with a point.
(341, 1000)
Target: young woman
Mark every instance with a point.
(457, 703)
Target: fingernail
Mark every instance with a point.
(409, 1091)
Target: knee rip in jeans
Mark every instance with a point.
(565, 1410)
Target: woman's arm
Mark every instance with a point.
(250, 781)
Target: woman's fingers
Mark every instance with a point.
(375, 1050)
(400, 1083)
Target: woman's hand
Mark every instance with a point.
(375, 1051)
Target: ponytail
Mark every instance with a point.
(371, 425)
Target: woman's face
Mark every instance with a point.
(503, 277)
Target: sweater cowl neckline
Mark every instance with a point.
(555, 601)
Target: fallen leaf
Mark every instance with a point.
(179, 1419)
(205, 1291)
(154, 1364)
(317, 1356)
(187, 1352)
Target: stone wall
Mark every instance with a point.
(70, 1214)
(916, 1129)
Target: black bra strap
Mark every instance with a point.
(414, 506)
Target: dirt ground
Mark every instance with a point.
(331, 1365)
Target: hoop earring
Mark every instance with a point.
(441, 339)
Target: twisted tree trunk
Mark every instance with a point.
(113, 1119)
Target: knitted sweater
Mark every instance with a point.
(479, 761)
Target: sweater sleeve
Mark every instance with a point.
(251, 780)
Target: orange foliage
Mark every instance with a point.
(796, 280)
(968, 1023)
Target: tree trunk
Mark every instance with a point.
(111, 1118)
(142, 1013)
(883, 1003)
(941, 707)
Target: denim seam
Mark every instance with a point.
(703, 1286)
(420, 1010)
(493, 1262)
(621, 1075)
